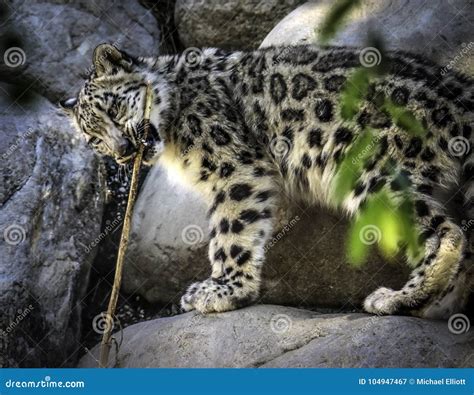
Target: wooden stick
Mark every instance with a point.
(106, 343)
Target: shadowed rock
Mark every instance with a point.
(50, 213)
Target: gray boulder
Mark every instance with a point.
(275, 336)
(231, 24)
(439, 30)
(168, 242)
(306, 261)
(58, 38)
(50, 213)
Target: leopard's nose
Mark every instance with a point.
(125, 148)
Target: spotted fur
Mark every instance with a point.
(243, 127)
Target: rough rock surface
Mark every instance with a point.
(306, 267)
(276, 336)
(440, 29)
(58, 37)
(50, 212)
(230, 24)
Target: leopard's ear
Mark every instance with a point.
(108, 59)
(68, 105)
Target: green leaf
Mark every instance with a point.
(375, 40)
(365, 231)
(389, 222)
(354, 92)
(335, 17)
(404, 118)
(393, 224)
(357, 251)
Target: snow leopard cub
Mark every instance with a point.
(218, 117)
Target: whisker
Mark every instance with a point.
(119, 173)
(132, 134)
(123, 176)
(128, 170)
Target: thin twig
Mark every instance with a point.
(106, 343)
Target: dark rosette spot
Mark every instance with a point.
(323, 110)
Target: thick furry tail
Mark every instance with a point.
(467, 182)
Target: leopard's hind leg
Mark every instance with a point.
(435, 288)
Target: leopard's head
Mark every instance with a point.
(109, 109)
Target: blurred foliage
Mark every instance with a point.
(387, 222)
(385, 219)
(403, 118)
(335, 18)
(354, 91)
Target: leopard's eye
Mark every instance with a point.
(113, 112)
(94, 141)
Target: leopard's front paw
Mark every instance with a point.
(212, 296)
(383, 301)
